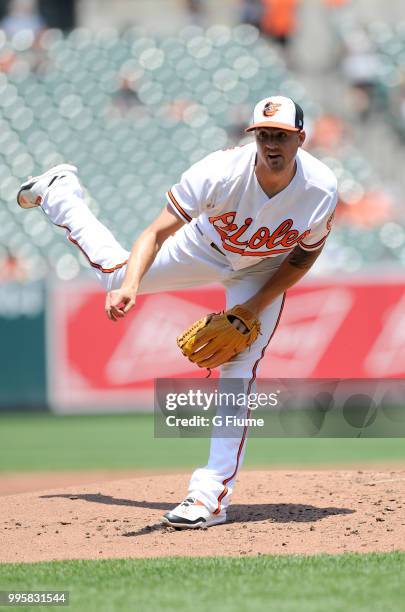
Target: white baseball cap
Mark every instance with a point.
(278, 112)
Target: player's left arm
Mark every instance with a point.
(293, 268)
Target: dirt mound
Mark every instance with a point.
(273, 512)
(24, 482)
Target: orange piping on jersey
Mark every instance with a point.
(310, 247)
(322, 240)
(178, 207)
(330, 221)
(94, 265)
(251, 381)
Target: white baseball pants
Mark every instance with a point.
(184, 260)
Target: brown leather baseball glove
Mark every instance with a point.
(214, 340)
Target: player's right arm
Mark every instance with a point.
(120, 301)
(185, 200)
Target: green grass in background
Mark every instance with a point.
(47, 442)
(351, 582)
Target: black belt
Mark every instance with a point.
(212, 244)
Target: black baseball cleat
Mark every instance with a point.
(192, 514)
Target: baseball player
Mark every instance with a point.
(254, 218)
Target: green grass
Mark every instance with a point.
(323, 583)
(46, 442)
(357, 583)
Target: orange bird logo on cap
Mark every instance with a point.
(270, 109)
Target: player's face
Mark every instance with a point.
(277, 148)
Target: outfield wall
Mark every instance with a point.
(22, 336)
(59, 349)
(348, 329)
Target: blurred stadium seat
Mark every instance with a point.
(133, 111)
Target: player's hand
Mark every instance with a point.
(119, 302)
(253, 308)
(240, 326)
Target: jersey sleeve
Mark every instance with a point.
(322, 225)
(195, 191)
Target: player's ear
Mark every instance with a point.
(301, 138)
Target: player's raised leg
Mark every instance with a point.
(59, 194)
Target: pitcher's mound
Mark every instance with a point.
(273, 512)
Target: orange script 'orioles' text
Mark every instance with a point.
(281, 240)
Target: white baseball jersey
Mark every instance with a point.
(233, 211)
